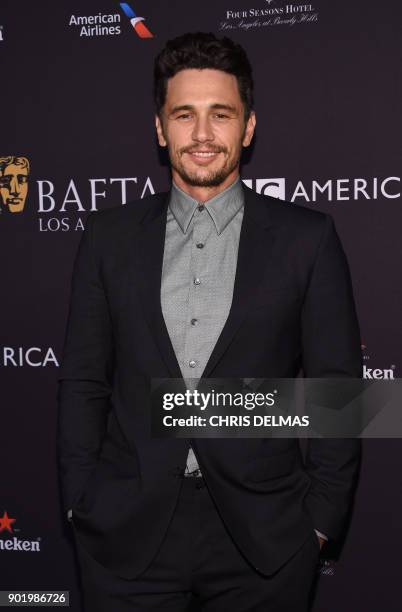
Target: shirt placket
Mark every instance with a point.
(197, 294)
(198, 289)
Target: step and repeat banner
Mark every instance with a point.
(77, 135)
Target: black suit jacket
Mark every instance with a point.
(292, 308)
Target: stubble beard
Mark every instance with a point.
(213, 178)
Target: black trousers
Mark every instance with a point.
(198, 560)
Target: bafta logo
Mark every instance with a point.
(14, 172)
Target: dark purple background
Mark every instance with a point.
(328, 100)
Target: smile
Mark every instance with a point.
(204, 154)
(203, 157)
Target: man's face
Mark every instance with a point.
(14, 187)
(202, 124)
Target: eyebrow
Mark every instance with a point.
(217, 106)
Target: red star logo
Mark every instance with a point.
(5, 523)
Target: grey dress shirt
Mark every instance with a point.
(199, 267)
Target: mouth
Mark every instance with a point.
(203, 157)
(14, 200)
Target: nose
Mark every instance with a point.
(202, 131)
(14, 187)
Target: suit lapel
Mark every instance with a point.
(254, 248)
(253, 251)
(149, 246)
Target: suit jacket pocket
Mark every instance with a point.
(266, 468)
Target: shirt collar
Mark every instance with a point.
(222, 207)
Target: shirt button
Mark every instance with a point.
(200, 245)
(192, 363)
(197, 281)
(194, 321)
(201, 207)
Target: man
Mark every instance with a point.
(208, 280)
(14, 172)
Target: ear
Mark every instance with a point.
(249, 130)
(159, 131)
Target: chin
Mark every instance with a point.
(206, 181)
(209, 179)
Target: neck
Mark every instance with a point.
(203, 194)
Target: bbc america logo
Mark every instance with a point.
(330, 190)
(274, 187)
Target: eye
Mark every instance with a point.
(184, 116)
(221, 116)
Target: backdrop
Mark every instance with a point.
(77, 134)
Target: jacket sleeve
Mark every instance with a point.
(85, 381)
(331, 348)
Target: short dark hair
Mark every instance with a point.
(203, 50)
